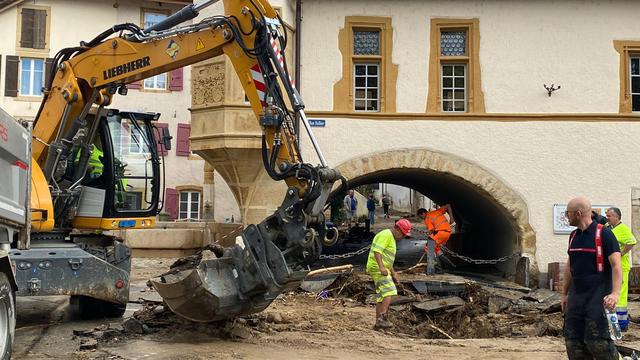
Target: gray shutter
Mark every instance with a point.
(11, 76)
(27, 20)
(33, 28)
(40, 29)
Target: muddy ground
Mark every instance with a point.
(297, 325)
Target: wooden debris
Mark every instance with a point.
(440, 304)
(418, 268)
(331, 270)
(440, 331)
(498, 304)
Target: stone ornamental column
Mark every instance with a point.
(226, 134)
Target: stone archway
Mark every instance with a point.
(414, 162)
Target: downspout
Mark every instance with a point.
(297, 58)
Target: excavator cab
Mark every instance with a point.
(121, 186)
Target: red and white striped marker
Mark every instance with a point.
(280, 59)
(258, 81)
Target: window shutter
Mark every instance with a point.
(171, 203)
(40, 29)
(33, 29)
(135, 85)
(176, 80)
(47, 71)
(27, 28)
(182, 146)
(11, 76)
(157, 135)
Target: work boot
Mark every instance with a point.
(382, 323)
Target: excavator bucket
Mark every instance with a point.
(207, 293)
(187, 294)
(244, 280)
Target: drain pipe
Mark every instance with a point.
(297, 59)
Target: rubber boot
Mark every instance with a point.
(382, 322)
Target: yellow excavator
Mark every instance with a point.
(95, 169)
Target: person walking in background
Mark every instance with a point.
(386, 203)
(371, 207)
(380, 266)
(626, 241)
(350, 207)
(592, 280)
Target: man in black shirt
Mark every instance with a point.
(592, 281)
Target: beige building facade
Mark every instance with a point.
(34, 31)
(453, 99)
(505, 109)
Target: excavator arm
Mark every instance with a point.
(268, 258)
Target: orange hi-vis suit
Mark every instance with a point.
(439, 226)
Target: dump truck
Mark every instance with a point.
(14, 159)
(93, 169)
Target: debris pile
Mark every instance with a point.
(460, 308)
(192, 261)
(155, 318)
(433, 307)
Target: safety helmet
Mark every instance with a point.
(405, 226)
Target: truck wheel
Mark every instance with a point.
(7, 317)
(90, 308)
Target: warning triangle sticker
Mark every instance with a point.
(199, 45)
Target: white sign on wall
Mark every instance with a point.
(560, 221)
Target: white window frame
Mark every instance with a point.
(137, 147)
(189, 202)
(366, 85)
(152, 82)
(631, 76)
(453, 87)
(32, 91)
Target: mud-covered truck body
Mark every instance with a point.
(14, 183)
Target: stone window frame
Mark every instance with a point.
(626, 49)
(343, 90)
(474, 95)
(30, 52)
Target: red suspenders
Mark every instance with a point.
(597, 250)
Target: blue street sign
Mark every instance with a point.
(317, 122)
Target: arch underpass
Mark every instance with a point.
(492, 218)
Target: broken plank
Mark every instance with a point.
(440, 304)
(438, 287)
(330, 270)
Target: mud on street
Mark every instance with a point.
(470, 320)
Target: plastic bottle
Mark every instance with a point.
(614, 327)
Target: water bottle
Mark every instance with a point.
(614, 327)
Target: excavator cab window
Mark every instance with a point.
(131, 169)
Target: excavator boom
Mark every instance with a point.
(269, 257)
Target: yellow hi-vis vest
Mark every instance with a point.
(94, 161)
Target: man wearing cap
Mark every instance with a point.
(380, 267)
(626, 241)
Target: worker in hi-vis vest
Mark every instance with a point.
(626, 241)
(437, 224)
(380, 266)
